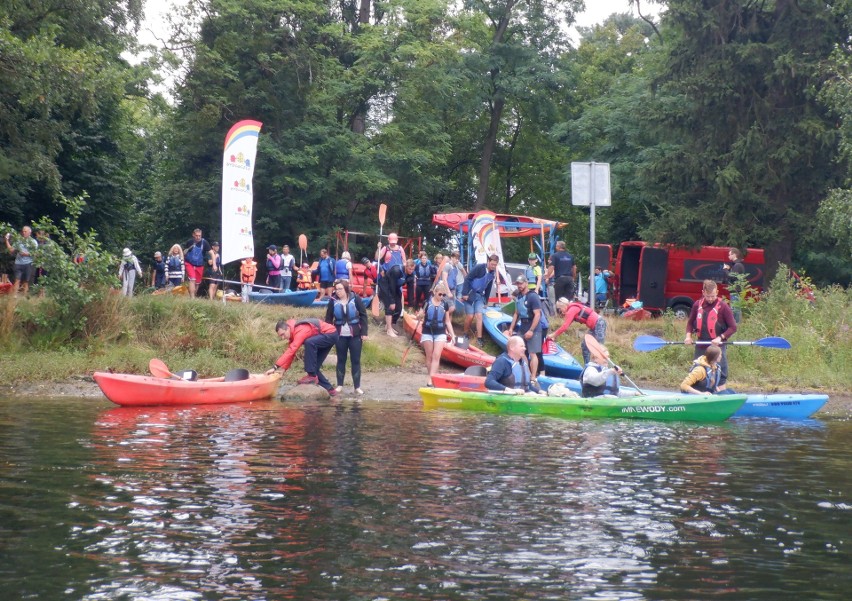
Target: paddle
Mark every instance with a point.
(596, 348)
(374, 305)
(652, 343)
(419, 319)
(159, 369)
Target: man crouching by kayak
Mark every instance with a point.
(510, 372)
(318, 338)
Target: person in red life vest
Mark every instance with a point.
(248, 273)
(574, 311)
(703, 377)
(713, 321)
(318, 338)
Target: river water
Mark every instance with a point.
(325, 501)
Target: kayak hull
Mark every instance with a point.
(666, 408)
(300, 298)
(560, 363)
(129, 390)
(451, 353)
(788, 405)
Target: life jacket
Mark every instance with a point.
(175, 267)
(608, 387)
(129, 266)
(712, 319)
(520, 377)
(248, 271)
(217, 265)
(326, 270)
(273, 264)
(433, 321)
(710, 382)
(303, 279)
(346, 312)
(586, 316)
(453, 277)
(479, 285)
(531, 275)
(160, 271)
(423, 273)
(286, 261)
(341, 269)
(394, 259)
(195, 256)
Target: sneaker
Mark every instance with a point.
(332, 392)
(359, 391)
(338, 389)
(308, 379)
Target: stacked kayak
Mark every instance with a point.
(668, 408)
(299, 298)
(131, 390)
(465, 357)
(559, 362)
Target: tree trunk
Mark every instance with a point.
(359, 119)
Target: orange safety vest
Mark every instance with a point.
(248, 271)
(303, 279)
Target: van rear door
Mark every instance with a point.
(653, 269)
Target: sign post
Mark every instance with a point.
(590, 188)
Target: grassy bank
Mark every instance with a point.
(211, 337)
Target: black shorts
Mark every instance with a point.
(23, 272)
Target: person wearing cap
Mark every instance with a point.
(194, 253)
(533, 274)
(159, 271)
(288, 267)
(325, 274)
(574, 311)
(127, 271)
(213, 270)
(390, 255)
(530, 320)
(273, 268)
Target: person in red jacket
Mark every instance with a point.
(318, 338)
(574, 311)
(713, 321)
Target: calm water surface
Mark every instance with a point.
(376, 501)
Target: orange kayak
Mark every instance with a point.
(452, 353)
(133, 391)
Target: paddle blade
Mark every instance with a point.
(303, 242)
(383, 210)
(158, 369)
(595, 347)
(773, 342)
(648, 343)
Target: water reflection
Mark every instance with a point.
(344, 501)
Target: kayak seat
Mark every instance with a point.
(236, 375)
(476, 370)
(462, 343)
(190, 375)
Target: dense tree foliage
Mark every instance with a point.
(725, 122)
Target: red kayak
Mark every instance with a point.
(510, 226)
(133, 391)
(459, 382)
(452, 353)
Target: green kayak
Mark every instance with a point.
(674, 407)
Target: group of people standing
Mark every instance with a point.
(194, 262)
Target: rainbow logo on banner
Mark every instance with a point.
(237, 171)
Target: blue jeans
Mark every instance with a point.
(600, 335)
(316, 350)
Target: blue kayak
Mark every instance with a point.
(300, 298)
(559, 363)
(783, 405)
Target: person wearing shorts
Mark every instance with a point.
(195, 253)
(475, 293)
(528, 319)
(23, 250)
(437, 327)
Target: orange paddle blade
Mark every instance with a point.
(303, 242)
(383, 209)
(159, 369)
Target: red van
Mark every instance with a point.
(664, 276)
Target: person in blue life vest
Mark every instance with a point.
(325, 273)
(273, 268)
(601, 286)
(194, 256)
(711, 320)
(390, 295)
(528, 317)
(475, 293)
(175, 266)
(390, 255)
(424, 274)
(437, 330)
(450, 274)
(535, 276)
(349, 315)
(159, 271)
(705, 373)
(598, 379)
(343, 267)
(288, 268)
(510, 371)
